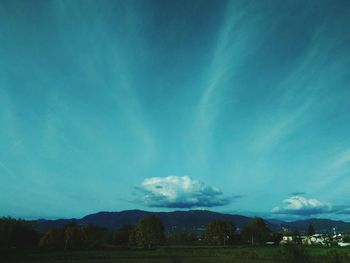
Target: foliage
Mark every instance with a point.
(182, 237)
(311, 230)
(346, 239)
(295, 234)
(95, 236)
(219, 232)
(17, 233)
(168, 254)
(256, 232)
(335, 257)
(277, 237)
(292, 253)
(74, 237)
(122, 235)
(52, 239)
(149, 232)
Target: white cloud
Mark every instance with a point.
(180, 192)
(300, 205)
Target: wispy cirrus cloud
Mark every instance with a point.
(299, 205)
(343, 210)
(181, 192)
(342, 160)
(231, 47)
(336, 170)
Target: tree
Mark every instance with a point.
(310, 230)
(74, 237)
(53, 239)
(68, 238)
(256, 232)
(17, 233)
(219, 232)
(149, 232)
(96, 236)
(296, 237)
(122, 235)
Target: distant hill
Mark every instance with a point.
(188, 220)
(173, 221)
(320, 225)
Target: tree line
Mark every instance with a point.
(148, 233)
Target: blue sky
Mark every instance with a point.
(232, 106)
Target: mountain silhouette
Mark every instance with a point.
(192, 220)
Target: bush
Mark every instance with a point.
(75, 237)
(219, 232)
(187, 238)
(256, 232)
(292, 253)
(148, 233)
(53, 239)
(333, 257)
(17, 234)
(122, 235)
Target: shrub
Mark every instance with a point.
(292, 253)
(334, 257)
(17, 233)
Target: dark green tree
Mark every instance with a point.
(53, 239)
(149, 232)
(219, 232)
(122, 235)
(95, 236)
(297, 237)
(256, 232)
(310, 230)
(74, 237)
(17, 233)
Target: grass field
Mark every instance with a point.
(165, 255)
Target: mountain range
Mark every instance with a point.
(192, 220)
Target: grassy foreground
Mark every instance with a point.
(244, 254)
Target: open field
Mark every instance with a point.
(166, 254)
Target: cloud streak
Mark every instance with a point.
(343, 211)
(181, 192)
(342, 160)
